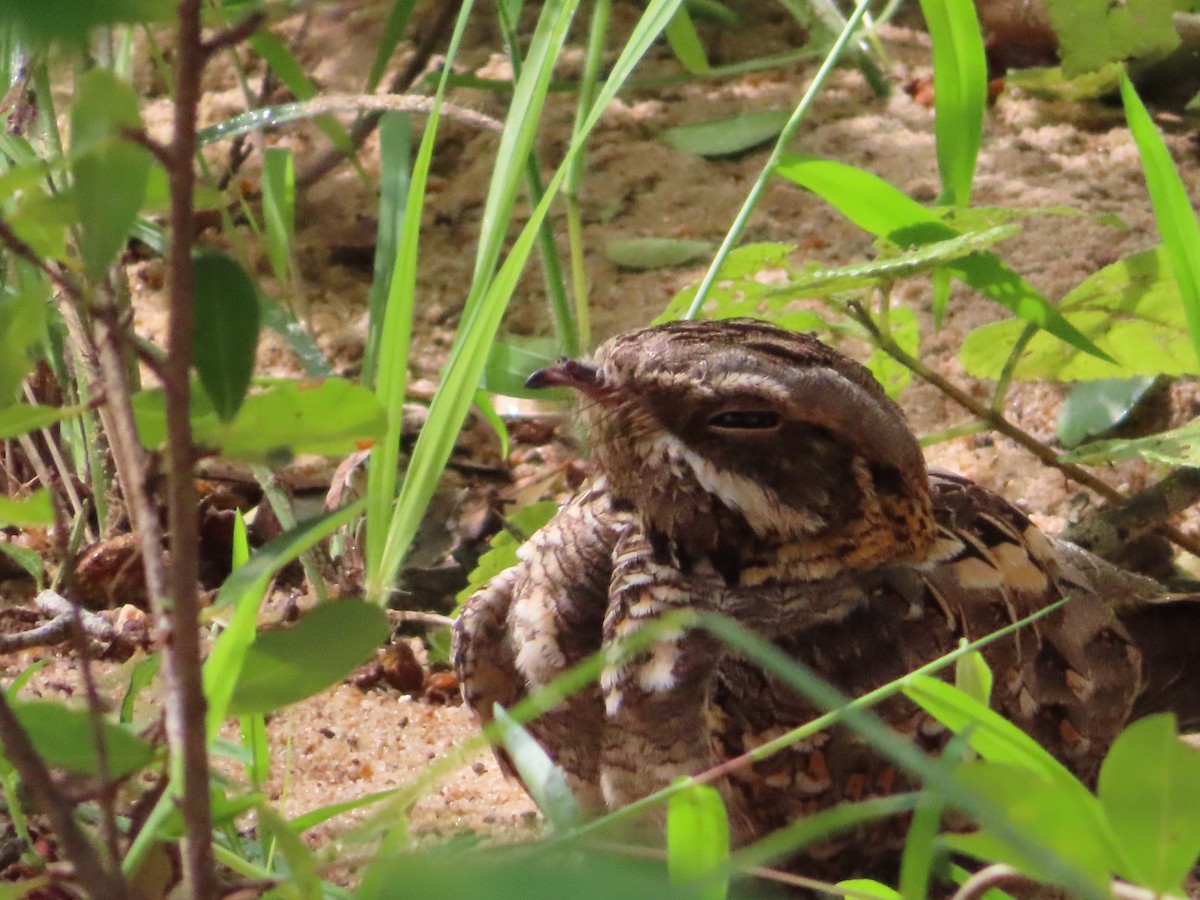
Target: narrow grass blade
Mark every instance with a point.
(279, 209)
(960, 93)
(1172, 209)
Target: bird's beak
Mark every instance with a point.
(567, 373)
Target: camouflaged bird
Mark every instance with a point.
(758, 473)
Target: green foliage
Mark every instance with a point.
(698, 840)
(1096, 407)
(728, 135)
(36, 509)
(109, 172)
(64, 738)
(274, 424)
(1093, 33)
(22, 330)
(285, 665)
(226, 332)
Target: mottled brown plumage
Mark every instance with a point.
(758, 473)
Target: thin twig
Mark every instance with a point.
(185, 707)
(997, 422)
(407, 616)
(232, 35)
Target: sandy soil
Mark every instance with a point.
(349, 743)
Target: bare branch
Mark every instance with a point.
(233, 35)
(185, 706)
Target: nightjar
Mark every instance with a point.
(758, 473)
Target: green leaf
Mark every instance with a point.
(22, 418)
(64, 739)
(1131, 309)
(502, 549)
(698, 840)
(393, 33)
(1093, 33)
(285, 665)
(27, 559)
(110, 172)
(870, 888)
(877, 207)
(991, 735)
(1177, 447)
(1058, 819)
(973, 676)
(330, 417)
(728, 135)
(22, 330)
(36, 509)
(226, 334)
(1149, 787)
(647, 253)
(685, 42)
(1173, 211)
(71, 20)
(243, 590)
(960, 93)
(545, 782)
(1094, 408)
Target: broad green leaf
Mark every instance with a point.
(879, 208)
(1094, 408)
(1045, 811)
(226, 333)
(646, 253)
(728, 135)
(71, 20)
(502, 549)
(698, 840)
(27, 559)
(42, 221)
(287, 664)
(1131, 309)
(1149, 787)
(64, 739)
(685, 42)
(545, 781)
(22, 329)
(110, 172)
(330, 417)
(1173, 211)
(36, 509)
(243, 590)
(22, 418)
(1093, 33)
(960, 93)
(991, 735)
(870, 888)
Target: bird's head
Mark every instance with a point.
(737, 434)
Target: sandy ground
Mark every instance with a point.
(349, 743)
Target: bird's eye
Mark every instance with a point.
(745, 420)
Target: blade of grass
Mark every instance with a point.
(395, 334)
(481, 317)
(1172, 209)
(395, 147)
(760, 184)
